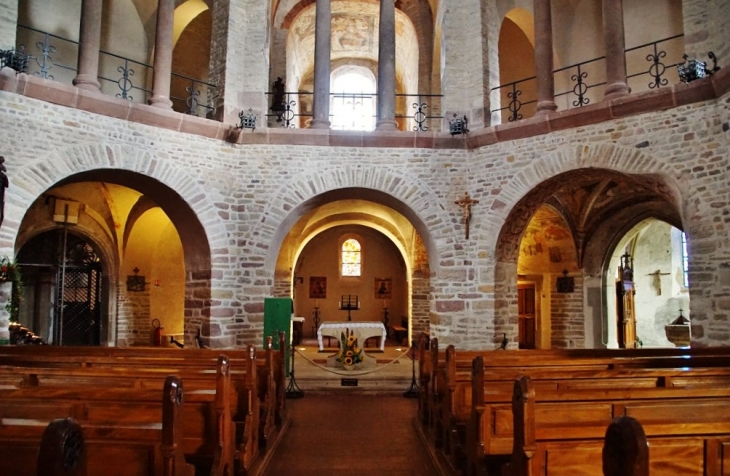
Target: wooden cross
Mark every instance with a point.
(658, 280)
(465, 203)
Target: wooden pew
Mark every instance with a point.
(557, 433)
(625, 448)
(477, 413)
(220, 422)
(62, 451)
(148, 358)
(112, 449)
(161, 358)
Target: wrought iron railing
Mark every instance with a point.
(578, 85)
(659, 71)
(425, 111)
(285, 108)
(354, 111)
(119, 76)
(575, 82)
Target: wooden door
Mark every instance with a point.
(526, 314)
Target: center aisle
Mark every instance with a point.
(366, 435)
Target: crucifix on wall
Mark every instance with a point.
(465, 203)
(658, 280)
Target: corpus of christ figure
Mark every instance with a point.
(465, 203)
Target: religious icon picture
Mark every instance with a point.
(317, 287)
(383, 288)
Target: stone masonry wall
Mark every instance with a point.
(244, 194)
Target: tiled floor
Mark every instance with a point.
(363, 435)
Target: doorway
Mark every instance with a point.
(526, 315)
(62, 288)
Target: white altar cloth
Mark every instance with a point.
(361, 330)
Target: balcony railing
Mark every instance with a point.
(354, 111)
(579, 84)
(119, 76)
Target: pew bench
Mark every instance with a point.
(113, 448)
(557, 433)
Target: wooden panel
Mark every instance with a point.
(676, 456)
(585, 420)
(571, 459)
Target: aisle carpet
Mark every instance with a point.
(363, 435)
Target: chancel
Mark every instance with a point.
(518, 188)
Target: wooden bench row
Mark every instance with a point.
(446, 403)
(228, 422)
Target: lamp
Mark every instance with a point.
(458, 125)
(248, 120)
(692, 69)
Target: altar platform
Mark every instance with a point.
(392, 374)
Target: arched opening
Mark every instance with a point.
(592, 209)
(547, 257)
(392, 252)
(142, 256)
(353, 99)
(655, 251)
(517, 66)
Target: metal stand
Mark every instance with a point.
(293, 390)
(316, 321)
(412, 391)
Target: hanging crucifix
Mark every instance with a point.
(465, 203)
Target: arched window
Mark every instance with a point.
(685, 261)
(353, 99)
(351, 258)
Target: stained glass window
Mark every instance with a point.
(351, 258)
(685, 261)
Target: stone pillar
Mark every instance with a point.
(163, 55)
(470, 69)
(8, 24)
(386, 68)
(613, 38)
(239, 60)
(89, 45)
(544, 58)
(322, 48)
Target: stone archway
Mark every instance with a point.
(154, 179)
(586, 198)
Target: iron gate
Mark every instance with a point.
(78, 305)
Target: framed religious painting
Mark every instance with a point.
(317, 287)
(383, 288)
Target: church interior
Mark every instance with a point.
(496, 176)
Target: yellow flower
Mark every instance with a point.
(357, 351)
(349, 353)
(348, 361)
(350, 341)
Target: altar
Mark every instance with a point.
(361, 330)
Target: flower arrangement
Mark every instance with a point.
(10, 272)
(350, 354)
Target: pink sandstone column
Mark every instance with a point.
(386, 68)
(322, 48)
(544, 58)
(613, 37)
(163, 55)
(89, 45)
